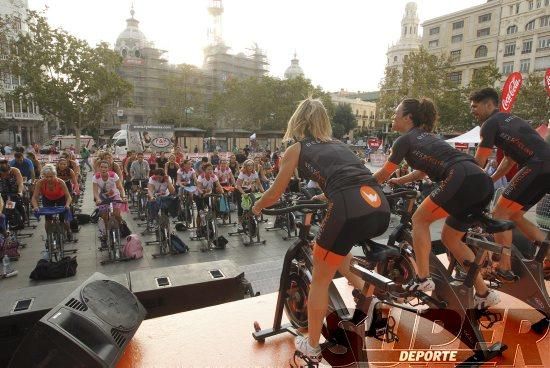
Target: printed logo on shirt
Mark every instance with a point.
(370, 196)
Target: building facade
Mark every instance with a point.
(365, 112)
(20, 120)
(514, 35)
(409, 41)
(294, 70)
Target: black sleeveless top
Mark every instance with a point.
(427, 153)
(172, 170)
(333, 166)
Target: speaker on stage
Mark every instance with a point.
(89, 328)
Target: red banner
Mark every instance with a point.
(547, 81)
(510, 91)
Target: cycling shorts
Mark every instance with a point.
(529, 185)
(466, 190)
(353, 215)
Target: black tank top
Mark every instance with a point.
(427, 153)
(332, 165)
(515, 137)
(172, 170)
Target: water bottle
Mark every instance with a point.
(45, 255)
(6, 264)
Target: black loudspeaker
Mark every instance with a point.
(89, 328)
(170, 290)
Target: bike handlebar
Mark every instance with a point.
(402, 193)
(300, 205)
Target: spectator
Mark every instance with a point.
(241, 157)
(139, 169)
(85, 157)
(246, 150)
(215, 159)
(199, 164)
(152, 161)
(196, 149)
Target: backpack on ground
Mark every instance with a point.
(177, 244)
(83, 219)
(133, 247)
(9, 246)
(94, 217)
(46, 270)
(124, 230)
(74, 225)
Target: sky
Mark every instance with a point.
(340, 44)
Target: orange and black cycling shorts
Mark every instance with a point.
(529, 185)
(353, 215)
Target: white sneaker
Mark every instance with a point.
(489, 300)
(306, 352)
(417, 285)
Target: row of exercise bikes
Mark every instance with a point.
(386, 268)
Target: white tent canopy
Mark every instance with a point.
(471, 137)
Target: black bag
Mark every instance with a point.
(83, 218)
(46, 270)
(180, 226)
(124, 230)
(15, 219)
(94, 217)
(74, 225)
(177, 244)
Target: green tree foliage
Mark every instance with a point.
(184, 98)
(71, 81)
(263, 103)
(532, 102)
(427, 75)
(343, 121)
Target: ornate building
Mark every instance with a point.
(294, 70)
(409, 41)
(20, 120)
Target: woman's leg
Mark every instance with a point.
(344, 270)
(323, 274)
(422, 242)
(452, 239)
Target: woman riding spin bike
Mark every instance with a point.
(186, 177)
(65, 173)
(464, 189)
(224, 174)
(159, 186)
(357, 207)
(54, 192)
(107, 186)
(206, 183)
(248, 181)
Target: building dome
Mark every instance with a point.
(131, 41)
(294, 70)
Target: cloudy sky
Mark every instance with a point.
(340, 44)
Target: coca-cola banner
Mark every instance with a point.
(510, 91)
(547, 81)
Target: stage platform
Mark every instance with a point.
(221, 336)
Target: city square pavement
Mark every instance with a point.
(260, 263)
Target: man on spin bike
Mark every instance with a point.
(465, 189)
(357, 207)
(521, 144)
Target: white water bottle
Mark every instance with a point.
(6, 264)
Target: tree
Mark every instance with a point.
(343, 116)
(532, 102)
(263, 103)
(184, 98)
(69, 80)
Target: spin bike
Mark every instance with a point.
(287, 221)
(529, 285)
(250, 223)
(56, 232)
(208, 229)
(112, 232)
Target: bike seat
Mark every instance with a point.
(490, 225)
(375, 252)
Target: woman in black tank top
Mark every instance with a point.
(357, 211)
(171, 168)
(465, 189)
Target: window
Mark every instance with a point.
(405, 58)
(433, 43)
(509, 49)
(530, 26)
(404, 31)
(542, 63)
(481, 51)
(539, 2)
(434, 31)
(137, 53)
(530, 4)
(512, 29)
(455, 55)
(456, 77)
(395, 59)
(483, 32)
(546, 2)
(517, 8)
(544, 43)
(527, 46)
(458, 25)
(507, 68)
(456, 38)
(484, 18)
(545, 21)
(524, 65)
(124, 52)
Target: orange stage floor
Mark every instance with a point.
(221, 336)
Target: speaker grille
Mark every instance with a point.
(75, 304)
(118, 337)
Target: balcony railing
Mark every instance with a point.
(20, 115)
